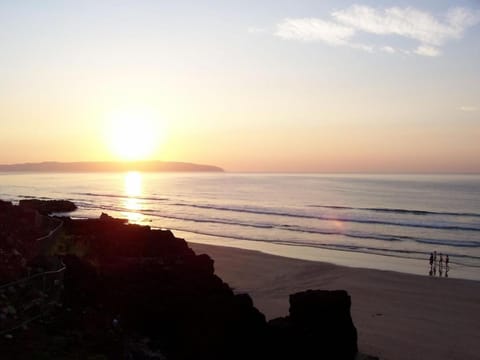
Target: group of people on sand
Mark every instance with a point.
(440, 262)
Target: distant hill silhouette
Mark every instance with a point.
(110, 166)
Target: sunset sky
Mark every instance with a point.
(299, 85)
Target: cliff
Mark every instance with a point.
(131, 292)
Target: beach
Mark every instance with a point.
(397, 315)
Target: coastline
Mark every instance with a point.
(351, 259)
(218, 209)
(397, 315)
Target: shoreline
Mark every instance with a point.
(351, 259)
(397, 315)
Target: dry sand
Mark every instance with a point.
(398, 316)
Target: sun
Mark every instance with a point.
(133, 134)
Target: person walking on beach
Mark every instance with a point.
(431, 264)
(440, 265)
(447, 265)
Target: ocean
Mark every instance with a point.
(387, 222)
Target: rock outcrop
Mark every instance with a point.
(48, 206)
(19, 228)
(319, 325)
(153, 284)
(133, 292)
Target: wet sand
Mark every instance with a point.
(398, 316)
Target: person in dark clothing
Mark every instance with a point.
(431, 264)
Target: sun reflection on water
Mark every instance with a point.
(133, 183)
(132, 189)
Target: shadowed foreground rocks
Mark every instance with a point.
(138, 293)
(46, 207)
(319, 324)
(156, 287)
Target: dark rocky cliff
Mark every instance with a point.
(157, 286)
(135, 293)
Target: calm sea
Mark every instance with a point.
(377, 221)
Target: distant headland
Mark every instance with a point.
(110, 166)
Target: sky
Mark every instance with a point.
(275, 86)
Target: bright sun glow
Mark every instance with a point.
(133, 134)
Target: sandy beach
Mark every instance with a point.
(398, 316)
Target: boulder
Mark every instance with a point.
(48, 206)
(319, 326)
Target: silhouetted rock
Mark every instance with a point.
(5, 205)
(48, 206)
(19, 230)
(41, 263)
(158, 287)
(319, 325)
(144, 293)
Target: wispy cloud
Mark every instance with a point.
(468, 108)
(427, 50)
(311, 29)
(408, 22)
(429, 31)
(388, 49)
